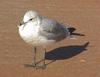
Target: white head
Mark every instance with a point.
(29, 15)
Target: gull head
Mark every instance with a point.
(30, 15)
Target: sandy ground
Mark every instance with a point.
(72, 57)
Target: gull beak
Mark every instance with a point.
(21, 23)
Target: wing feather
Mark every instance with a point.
(51, 29)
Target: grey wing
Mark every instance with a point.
(52, 30)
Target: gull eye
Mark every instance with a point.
(31, 19)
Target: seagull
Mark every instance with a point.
(40, 31)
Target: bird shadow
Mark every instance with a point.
(65, 52)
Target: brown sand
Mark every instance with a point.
(73, 60)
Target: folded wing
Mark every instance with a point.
(52, 30)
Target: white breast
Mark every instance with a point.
(29, 32)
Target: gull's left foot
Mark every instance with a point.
(41, 66)
(33, 65)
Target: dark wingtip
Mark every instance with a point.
(71, 29)
(77, 34)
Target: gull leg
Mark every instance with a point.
(34, 57)
(41, 64)
(44, 64)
